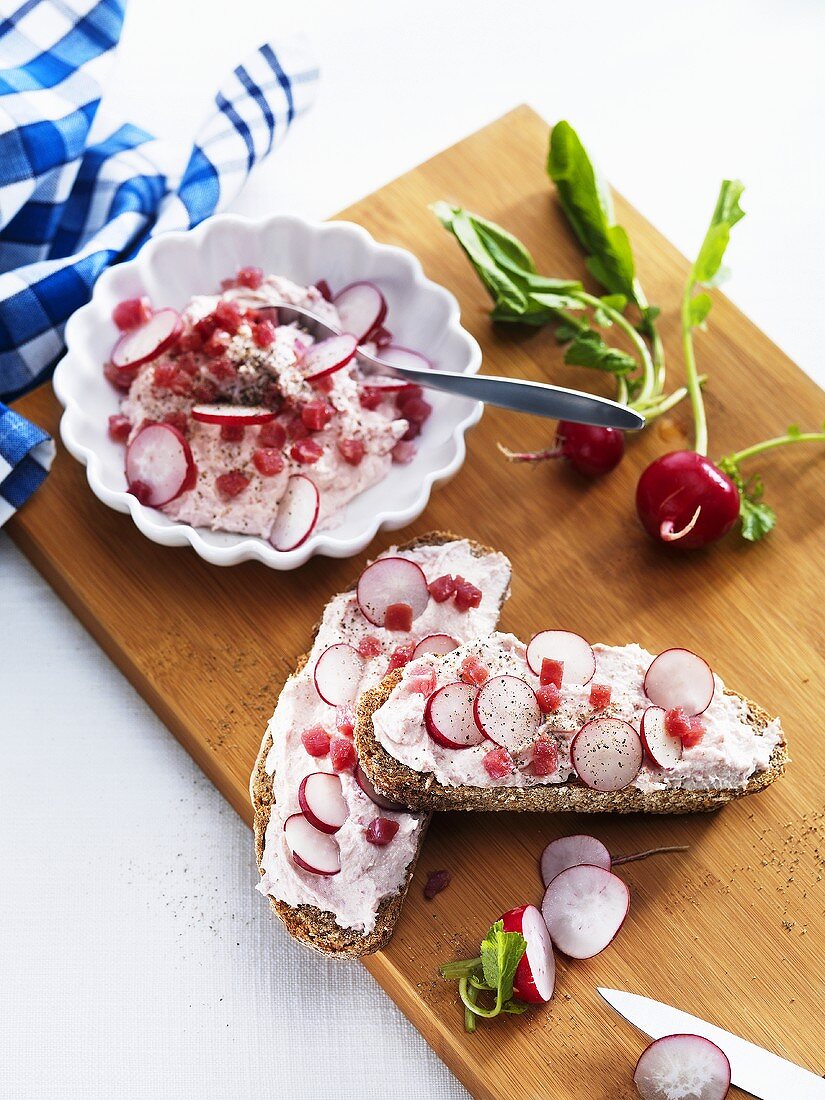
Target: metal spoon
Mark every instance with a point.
(518, 394)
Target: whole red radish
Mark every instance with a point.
(591, 451)
(683, 499)
(536, 972)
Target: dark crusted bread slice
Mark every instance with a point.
(315, 927)
(422, 791)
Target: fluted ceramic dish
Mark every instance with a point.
(170, 270)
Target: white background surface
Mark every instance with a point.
(135, 959)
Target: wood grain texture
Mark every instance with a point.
(733, 929)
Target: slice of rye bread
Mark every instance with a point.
(316, 927)
(422, 791)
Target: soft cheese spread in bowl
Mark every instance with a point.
(244, 414)
(724, 752)
(368, 872)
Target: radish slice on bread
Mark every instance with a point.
(322, 801)
(146, 342)
(297, 514)
(535, 977)
(313, 850)
(663, 748)
(679, 1066)
(584, 907)
(159, 465)
(361, 308)
(680, 678)
(450, 718)
(338, 673)
(388, 582)
(606, 754)
(572, 851)
(438, 644)
(570, 649)
(507, 711)
(380, 800)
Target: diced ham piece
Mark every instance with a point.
(498, 763)
(442, 588)
(370, 646)
(436, 882)
(545, 758)
(131, 313)
(316, 741)
(342, 754)
(119, 428)
(552, 672)
(473, 671)
(467, 595)
(599, 696)
(400, 656)
(677, 723)
(549, 698)
(695, 734)
(398, 616)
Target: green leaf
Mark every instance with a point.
(726, 214)
(757, 519)
(566, 332)
(700, 306)
(586, 202)
(501, 953)
(515, 1008)
(589, 350)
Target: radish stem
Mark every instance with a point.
(529, 456)
(700, 422)
(657, 406)
(778, 441)
(621, 322)
(617, 860)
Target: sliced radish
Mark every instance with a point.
(507, 711)
(682, 1067)
(391, 581)
(338, 673)
(361, 308)
(159, 465)
(439, 644)
(365, 783)
(397, 356)
(321, 798)
(607, 754)
(663, 748)
(583, 908)
(243, 415)
(328, 356)
(572, 851)
(380, 385)
(536, 972)
(145, 343)
(572, 650)
(297, 514)
(311, 849)
(450, 718)
(680, 678)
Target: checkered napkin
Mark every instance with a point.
(78, 192)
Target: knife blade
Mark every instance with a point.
(754, 1069)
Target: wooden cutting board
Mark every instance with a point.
(733, 929)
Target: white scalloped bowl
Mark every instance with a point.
(172, 268)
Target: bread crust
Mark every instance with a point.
(316, 927)
(422, 791)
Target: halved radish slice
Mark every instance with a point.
(361, 308)
(572, 650)
(680, 678)
(365, 783)
(146, 342)
(328, 356)
(159, 465)
(606, 754)
(244, 416)
(381, 385)
(663, 748)
(583, 908)
(572, 851)
(321, 798)
(507, 711)
(397, 356)
(439, 644)
(311, 849)
(391, 581)
(297, 514)
(679, 1066)
(338, 673)
(450, 718)
(536, 972)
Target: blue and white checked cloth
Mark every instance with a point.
(78, 193)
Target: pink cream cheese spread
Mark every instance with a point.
(336, 430)
(368, 872)
(727, 754)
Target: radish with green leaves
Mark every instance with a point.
(683, 499)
